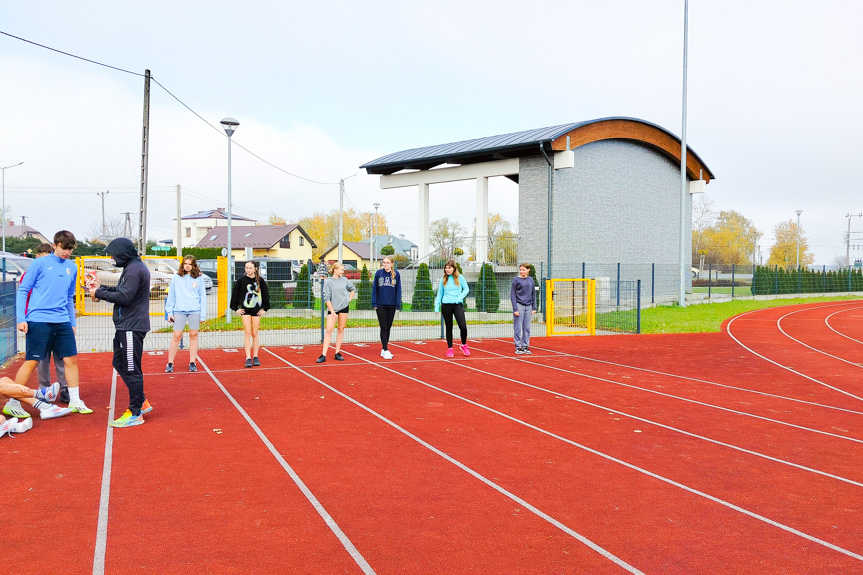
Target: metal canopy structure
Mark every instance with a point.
(514, 145)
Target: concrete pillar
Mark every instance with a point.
(423, 221)
(481, 246)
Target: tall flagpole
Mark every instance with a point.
(683, 266)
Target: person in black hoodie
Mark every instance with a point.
(131, 299)
(251, 300)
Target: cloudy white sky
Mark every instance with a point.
(320, 88)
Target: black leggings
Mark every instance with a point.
(448, 310)
(385, 318)
(128, 352)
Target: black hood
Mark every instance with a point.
(122, 250)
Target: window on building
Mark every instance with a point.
(301, 240)
(188, 232)
(285, 242)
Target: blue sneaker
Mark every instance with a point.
(128, 420)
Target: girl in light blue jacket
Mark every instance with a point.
(186, 303)
(450, 302)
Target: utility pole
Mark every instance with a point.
(848, 237)
(127, 225)
(104, 228)
(179, 245)
(24, 225)
(145, 145)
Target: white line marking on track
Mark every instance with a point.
(616, 460)
(687, 378)
(834, 330)
(607, 554)
(331, 523)
(105, 492)
(776, 363)
(668, 427)
(782, 331)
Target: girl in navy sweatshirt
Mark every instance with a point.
(386, 300)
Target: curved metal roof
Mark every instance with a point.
(516, 144)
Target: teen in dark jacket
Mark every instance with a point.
(131, 299)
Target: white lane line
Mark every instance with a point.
(105, 493)
(834, 330)
(668, 427)
(779, 326)
(620, 461)
(607, 554)
(660, 393)
(687, 378)
(776, 363)
(331, 523)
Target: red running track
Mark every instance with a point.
(736, 452)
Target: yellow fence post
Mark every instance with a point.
(222, 278)
(79, 289)
(549, 306)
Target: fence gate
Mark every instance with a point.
(570, 306)
(161, 269)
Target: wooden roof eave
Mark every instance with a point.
(622, 129)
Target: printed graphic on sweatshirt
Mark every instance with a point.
(253, 296)
(386, 280)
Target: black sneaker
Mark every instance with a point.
(63, 396)
(256, 362)
(248, 363)
(339, 357)
(169, 368)
(321, 359)
(193, 367)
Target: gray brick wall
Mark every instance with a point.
(620, 203)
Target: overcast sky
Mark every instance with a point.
(774, 104)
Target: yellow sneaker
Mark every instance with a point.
(127, 420)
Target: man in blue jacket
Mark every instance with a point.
(131, 299)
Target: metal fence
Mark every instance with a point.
(746, 281)
(8, 323)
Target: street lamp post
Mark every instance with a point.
(4, 201)
(374, 236)
(798, 212)
(230, 125)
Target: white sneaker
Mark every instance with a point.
(79, 407)
(383, 351)
(8, 426)
(13, 409)
(54, 411)
(387, 354)
(23, 426)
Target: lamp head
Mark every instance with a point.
(798, 212)
(230, 125)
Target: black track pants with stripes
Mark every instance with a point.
(128, 351)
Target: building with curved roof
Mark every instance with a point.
(604, 190)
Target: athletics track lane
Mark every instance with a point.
(51, 481)
(759, 333)
(406, 509)
(624, 511)
(809, 435)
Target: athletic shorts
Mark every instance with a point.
(341, 311)
(182, 318)
(44, 338)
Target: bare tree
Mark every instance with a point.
(703, 217)
(445, 236)
(114, 228)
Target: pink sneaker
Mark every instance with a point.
(465, 349)
(450, 353)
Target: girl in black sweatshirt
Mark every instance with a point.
(251, 300)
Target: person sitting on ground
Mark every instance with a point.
(41, 399)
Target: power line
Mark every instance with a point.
(272, 165)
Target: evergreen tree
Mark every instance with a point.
(364, 290)
(423, 299)
(487, 296)
(304, 296)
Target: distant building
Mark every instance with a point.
(402, 246)
(196, 226)
(26, 232)
(288, 241)
(357, 254)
